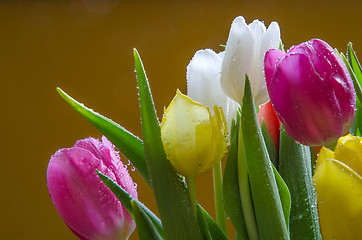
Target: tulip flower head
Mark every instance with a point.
(194, 141)
(244, 54)
(338, 185)
(85, 203)
(311, 91)
(203, 83)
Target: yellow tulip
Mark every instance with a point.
(194, 141)
(338, 185)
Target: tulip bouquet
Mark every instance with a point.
(287, 123)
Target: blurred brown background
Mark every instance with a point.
(85, 47)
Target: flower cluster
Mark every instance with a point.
(262, 107)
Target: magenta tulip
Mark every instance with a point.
(311, 91)
(84, 202)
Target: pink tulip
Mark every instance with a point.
(84, 202)
(311, 91)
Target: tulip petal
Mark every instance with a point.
(178, 133)
(272, 58)
(83, 201)
(324, 154)
(244, 54)
(330, 66)
(193, 140)
(349, 152)
(339, 194)
(312, 92)
(272, 122)
(235, 64)
(203, 83)
(290, 87)
(265, 40)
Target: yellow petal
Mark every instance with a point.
(324, 154)
(193, 140)
(349, 151)
(217, 144)
(339, 195)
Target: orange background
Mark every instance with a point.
(85, 47)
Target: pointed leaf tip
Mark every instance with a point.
(130, 145)
(136, 55)
(61, 92)
(145, 226)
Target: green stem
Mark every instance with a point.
(244, 189)
(219, 208)
(191, 186)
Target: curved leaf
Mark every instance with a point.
(266, 200)
(146, 229)
(178, 219)
(126, 142)
(231, 193)
(126, 200)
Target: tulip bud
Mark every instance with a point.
(194, 141)
(203, 83)
(86, 204)
(244, 54)
(272, 122)
(311, 91)
(338, 185)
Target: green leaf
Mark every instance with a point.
(358, 118)
(296, 170)
(357, 69)
(244, 189)
(176, 212)
(125, 198)
(203, 225)
(237, 237)
(354, 127)
(215, 231)
(270, 146)
(281, 46)
(356, 84)
(231, 193)
(284, 194)
(146, 229)
(282, 187)
(353, 61)
(266, 200)
(126, 142)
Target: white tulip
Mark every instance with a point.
(244, 54)
(203, 83)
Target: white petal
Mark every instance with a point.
(270, 40)
(236, 63)
(245, 51)
(257, 28)
(256, 75)
(203, 83)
